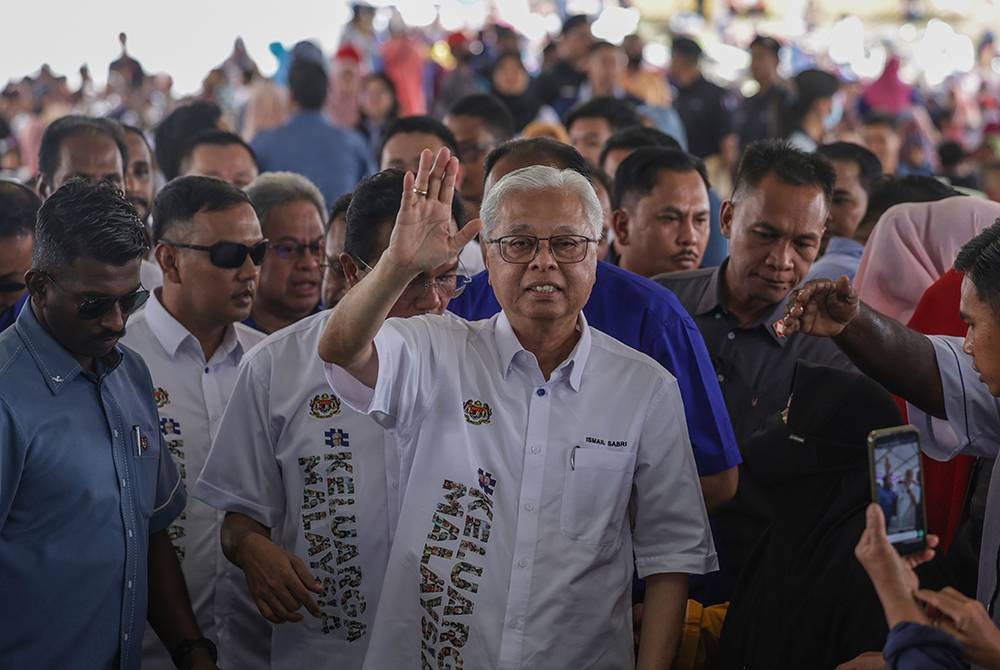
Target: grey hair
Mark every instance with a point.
(540, 178)
(273, 189)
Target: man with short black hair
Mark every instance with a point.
(888, 191)
(407, 136)
(334, 282)
(479, 122)
(332, 158)
(857, 172)
(18, 208)
(623, 142)
(591, 123)
(81, 147)
(292, 215)
(661, 211)
(179, 126)
(761, 113)
(774, 222)
(88, 488)
(312, 507)
(139, 178)
(703, 106)
(560, 87)
(209, 247)
(220, 154)
(880, 134)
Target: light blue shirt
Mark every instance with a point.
(842, 257)
(84, 480)
(332, 158)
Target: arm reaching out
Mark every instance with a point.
(422, 239)
(900, 359)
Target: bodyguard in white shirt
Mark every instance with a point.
(209, 248)
(536, 453)
(310, 485)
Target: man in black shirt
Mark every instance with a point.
(704, 107)
(760, 117)
(560, 86)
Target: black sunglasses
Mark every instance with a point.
(228, 255)
(89, 309)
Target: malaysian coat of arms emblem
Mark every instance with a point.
(477, 412)
(324, 406)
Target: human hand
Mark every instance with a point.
(424, 237)
(822, 308)
(891, 574)
(202, 660)
(279, 581)
(869, 660)
(967, 621)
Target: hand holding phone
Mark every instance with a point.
(898, 486)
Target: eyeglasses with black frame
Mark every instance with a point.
(287, 249)
(227, 255)
(95, 307)
(522, 249)
(449, 285)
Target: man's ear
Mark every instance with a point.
(726, 218)
(38, 287)
(619, 224)
(166, 256)
(42, 187)
(351, 270)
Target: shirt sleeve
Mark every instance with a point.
(973, 424)
(241, 473)
(679, 347)
(171, 497)
(671, 532)
(407, 357)
(911, 646)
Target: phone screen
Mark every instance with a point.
(898, 485)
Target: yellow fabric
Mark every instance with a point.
(699, 647)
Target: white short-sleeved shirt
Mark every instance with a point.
(190, 396)
(973, 428)
(514, 545)
(290, 455)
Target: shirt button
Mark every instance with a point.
(718, 316)
(130, 532)
(529, 507)
(540, 392)
(721, 378)
(206, 371)
(123, 483)
(114, 432)
(126, 637)
(522, 563)
(128, 584)
(536, 449)
(731, 335)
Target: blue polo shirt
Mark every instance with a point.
(332, 158)
(84, 480)
(647, 317)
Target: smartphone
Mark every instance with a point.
(897, 484)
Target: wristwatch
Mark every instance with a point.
(181, 654)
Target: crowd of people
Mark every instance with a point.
(378, 364)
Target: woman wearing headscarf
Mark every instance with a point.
(888, 94)
(514, 87)
(912, 245)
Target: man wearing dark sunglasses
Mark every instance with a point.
(18, 207)
(88, 488)
(266, 479)
(292, 212)
(210, 248)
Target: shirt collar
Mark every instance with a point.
(508, 347)
(845, 246)
(58, 366)
(711, 300)
(171, 334)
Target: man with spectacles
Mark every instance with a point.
(526, 486)
(210, 247)
(291, 211)
(310, 486)
(18, 207)
(479, 122)
(334, 282)
(88, 488)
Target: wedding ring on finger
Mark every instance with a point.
(420, 192)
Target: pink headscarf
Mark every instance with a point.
(913, 245)
(889, 94)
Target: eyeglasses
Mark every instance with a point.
(286, 250)
(11, 286)
(95, 307)
(524, 248)
(227, 255)
(448, 285)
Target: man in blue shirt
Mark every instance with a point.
(18, 206)
(333, 158)
(641, 314)
(87, 487)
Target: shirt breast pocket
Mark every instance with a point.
(144, 448)
(597, 486)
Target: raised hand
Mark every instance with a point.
(424, 237)
(822, 307)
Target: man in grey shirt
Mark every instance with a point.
(940, 377)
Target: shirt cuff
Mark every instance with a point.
(167, 512)
(229, 502)
(691, 564)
